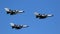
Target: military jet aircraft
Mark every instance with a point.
(15, 26)
(13, 12)
(42, 16)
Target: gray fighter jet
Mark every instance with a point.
(15, 26)
(42, 16)
(13, 12)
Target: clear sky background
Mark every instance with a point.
(50, 25)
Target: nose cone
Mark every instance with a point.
(12, 24)
(6, 9)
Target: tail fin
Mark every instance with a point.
(12, 24)
(7, 9)
(36, 13)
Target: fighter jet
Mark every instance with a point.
(15, 26)
(13, 12)
(42, 16)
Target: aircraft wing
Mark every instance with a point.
(50, 15)
(25, 26)
(21, 11)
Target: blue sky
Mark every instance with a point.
(50, 25)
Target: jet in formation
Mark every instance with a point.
(42, 16)
(13, 12)
(15, 26)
